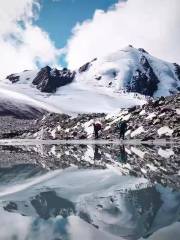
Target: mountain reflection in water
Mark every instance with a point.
(89, 192)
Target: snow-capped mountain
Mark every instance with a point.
(133, 70)
(120, 80)
(111, 202)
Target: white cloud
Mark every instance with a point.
(23, 44)
(150, 24)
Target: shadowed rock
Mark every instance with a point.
(48, 79)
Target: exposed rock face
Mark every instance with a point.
(127, 70)
(144, 81)
(142, 50)
(48, 79)
(133, 70)
(13, 78)
(177, 71)
(86, 66)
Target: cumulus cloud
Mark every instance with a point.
(150, 24)
(22, 44)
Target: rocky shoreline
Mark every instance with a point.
(159, 164)
(159, 119)
(154, 122)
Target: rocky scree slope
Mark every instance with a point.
(158, 119)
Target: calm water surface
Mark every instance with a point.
(90, 192)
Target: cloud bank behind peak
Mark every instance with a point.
(23, 45)
(153, 25)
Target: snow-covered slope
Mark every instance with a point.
(119, 80)
(77, 97)
(133, 70)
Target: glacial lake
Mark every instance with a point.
(89, 192)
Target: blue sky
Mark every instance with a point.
(35, 31)
(58, 17)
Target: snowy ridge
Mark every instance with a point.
(120, 80)
(76, 97)
(120, 69)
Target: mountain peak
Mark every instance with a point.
(133, 70)
(122, 79)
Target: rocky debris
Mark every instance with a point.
(159, 164)
(61, 126)
(156, 117)
(159, 119)
(12, 127)
(48, 79)
(50, 157)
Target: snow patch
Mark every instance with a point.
(88, 127)
(167, 153)
(143, 170)
(151, 116)
(138, 131)
(138, 152)
(152, 167)
(53, 133)
(178, 111)
(165, 131)
(128, 132)
(127, 117)
(142, 113)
